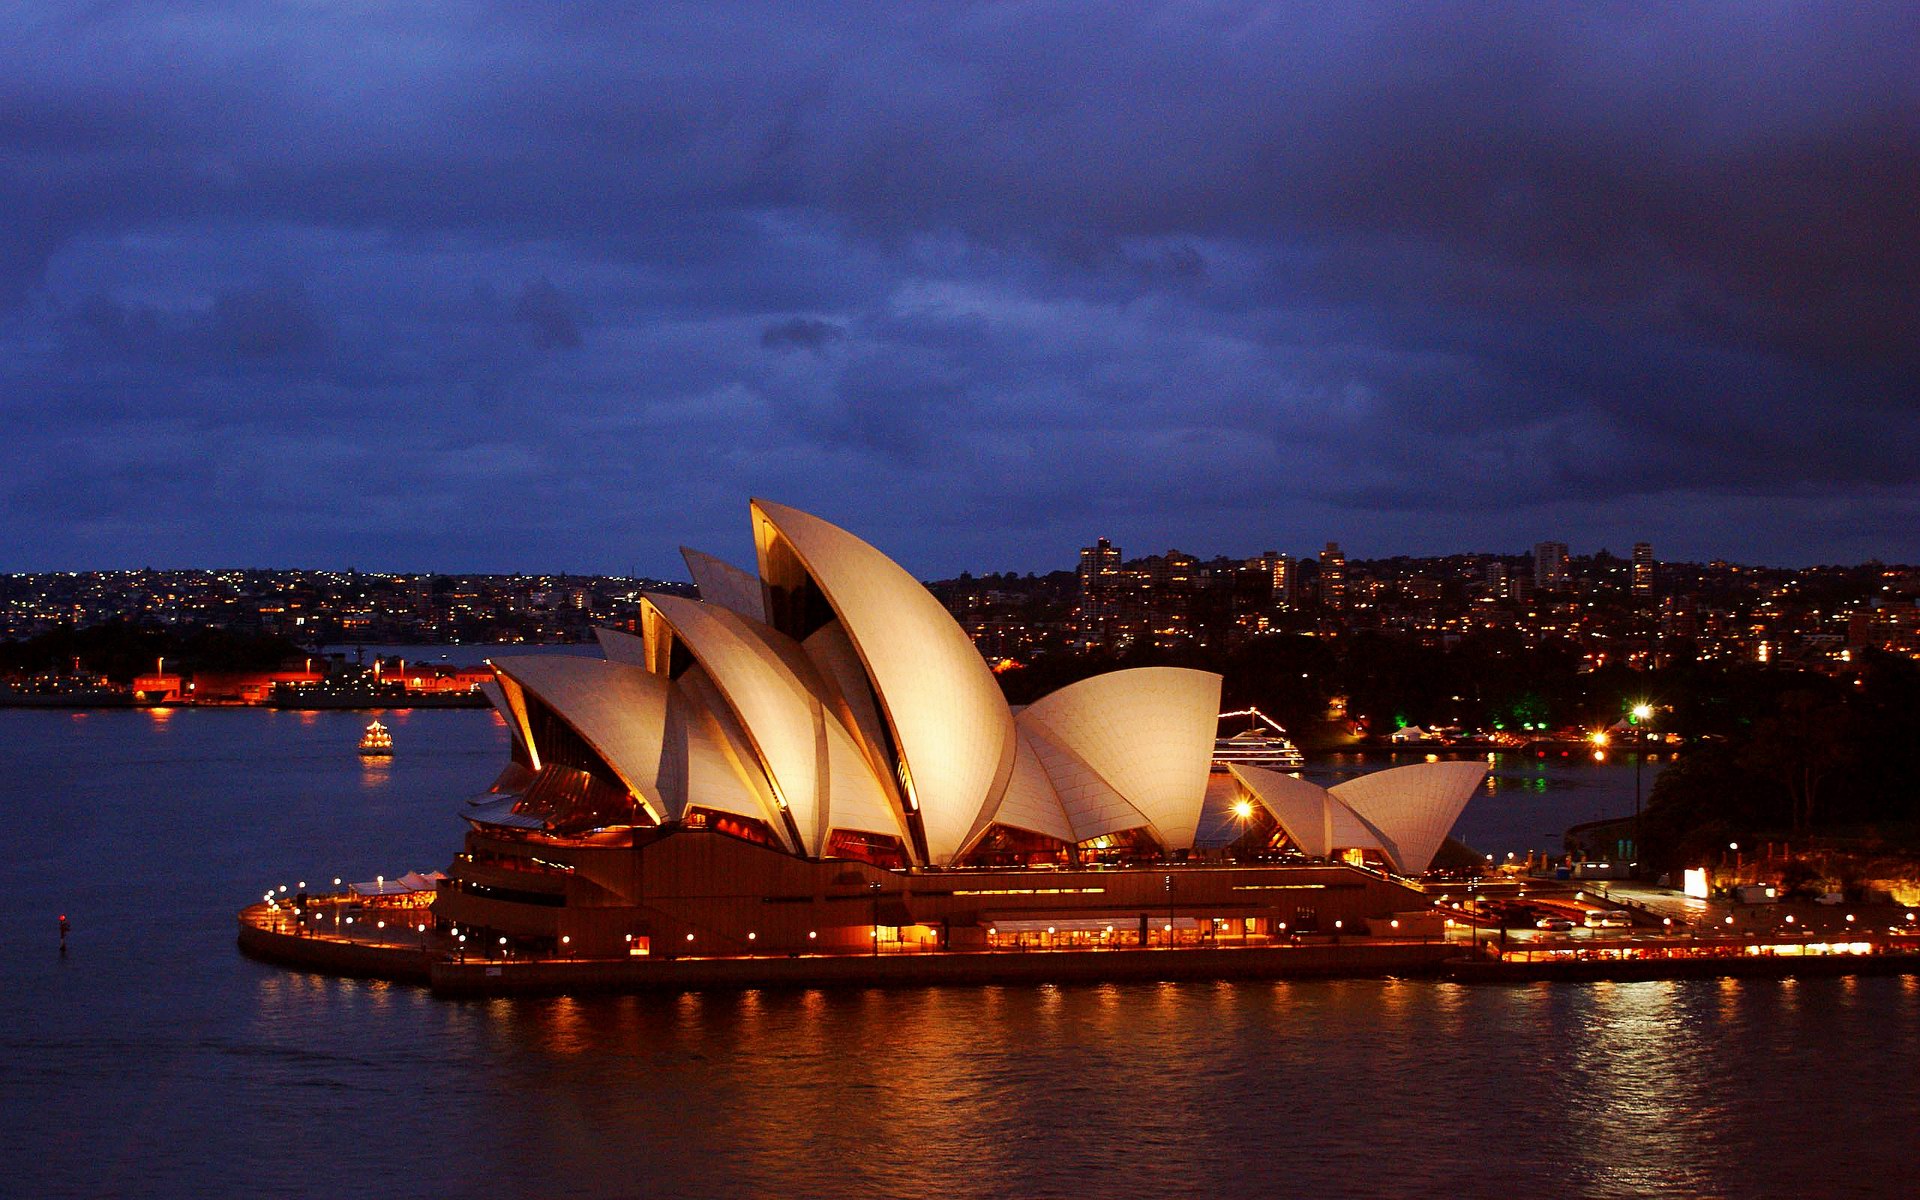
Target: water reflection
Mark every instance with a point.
(1325, 1088)
(156, 1061)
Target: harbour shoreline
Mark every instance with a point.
(263, 937)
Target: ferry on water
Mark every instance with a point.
(376, 742)
(1256, 746)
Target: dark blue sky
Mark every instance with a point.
(454, 286)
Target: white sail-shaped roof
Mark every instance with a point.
(949, 722)
(1149, 732)
(1030, 801)
(854, 798)
(617, 709)
(1300, 808)
(724, 584)
(1316, 820)
(1413, 807)
(1092, 806)
(621, 647)
(497, 696)
(844, 679)
(1348, 830)
(516, 710)
(858, 704)
(705, 761)
(817, 771)
(774, 711)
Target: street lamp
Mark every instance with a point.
(1640, 714)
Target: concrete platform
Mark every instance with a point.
(263, 937)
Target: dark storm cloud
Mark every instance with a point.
(238, 325)
(800, 333)
(1414, 277)
(547, 316)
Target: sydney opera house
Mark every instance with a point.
(814, 758)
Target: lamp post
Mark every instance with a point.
(1641, 713)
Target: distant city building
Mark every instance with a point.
(1642, 570)
(1551, 571)
(1099, 575)
(1496, 580)
(1333, 577)
(1285, 577)
(1634, 610)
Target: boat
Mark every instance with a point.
(1263, 743)
(376, 742)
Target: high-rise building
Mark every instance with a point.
(1099, 575)
(1496, 579)
(1284, 578)
(1173, 571)
(1550, 566)
(1333, 577)
(1643, 570)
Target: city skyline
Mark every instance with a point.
(474, 288)
(1061, 560)
(1638, 611)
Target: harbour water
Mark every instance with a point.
(152, 1060)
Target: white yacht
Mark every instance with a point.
(1263, 743)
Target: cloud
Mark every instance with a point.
(800, 333)
(1472, 272)
(263, 323)
(548, 317)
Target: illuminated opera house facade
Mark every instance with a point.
(814, 758)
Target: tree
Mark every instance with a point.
(1800, 747)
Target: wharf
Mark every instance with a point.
(322, 701)
(403, 954)
(407, 957)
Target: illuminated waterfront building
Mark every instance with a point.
(815, 757)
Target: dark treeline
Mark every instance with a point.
(1831, 759)
(1485, 681)
(121, 650)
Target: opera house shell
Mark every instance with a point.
(825, 719)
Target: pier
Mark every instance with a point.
(403, 946)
